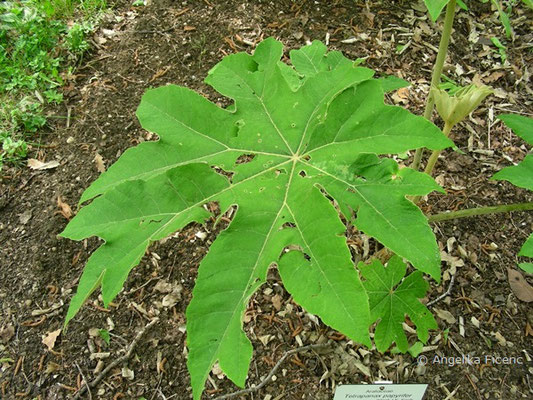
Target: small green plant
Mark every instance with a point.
(501, 48)
(36, 46)
(104, 334)
(76, 38)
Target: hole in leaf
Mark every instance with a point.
(289, 248)
(302, 173)
(288, 225)
(220, 171)
(244, 159)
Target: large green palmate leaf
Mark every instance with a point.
(310, 133)
(391, 301)
(522, 174)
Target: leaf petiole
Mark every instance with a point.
(472, 212)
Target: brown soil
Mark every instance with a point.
(178, 42)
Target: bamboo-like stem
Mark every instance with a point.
(472, 212)
(432, 160)
(437, 70)
(435, 155)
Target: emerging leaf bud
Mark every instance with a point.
(454, 109)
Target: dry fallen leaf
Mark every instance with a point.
(64, 208)
(529, 330)
(50, 339)
(171, 299)
(39, 165)
(163, 286)
(6, 333)
(100, 166)
(401, 96)
(519, 286)
(276, 302)
(445, 315)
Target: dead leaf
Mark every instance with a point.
(445, 315)
(403, 93)
(50, 339)
(163, 286)
(529, 330)
(39, 165)
(519, 286)
(64, 208)
(276, 301)
(499, 337)
(171, 299)
(401, 96)
(99, 160)
(494, 76)
(6, 333)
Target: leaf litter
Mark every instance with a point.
(476, 232)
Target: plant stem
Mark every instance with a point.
(435, 155)
(437, 70)
(472, 212)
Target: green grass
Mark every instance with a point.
(40, 42)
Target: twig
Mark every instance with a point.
(446, 293)
(119, 360)
(474, 386)
(272, 372)
(85, 381)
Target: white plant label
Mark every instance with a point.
(381, 392)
